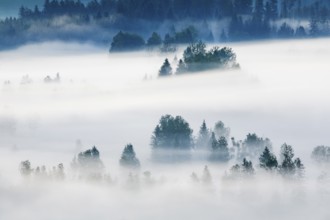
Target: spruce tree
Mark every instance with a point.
(128, 157)
(287, 166)
(267, 160)
(203, 139)
(166, 69)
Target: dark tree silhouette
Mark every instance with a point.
(287, 165)
(196, 58)
(126, 42)
(128, 157)
(166, 69)
(204, 135)
(172, 133)
(267, 160)
(220, 151)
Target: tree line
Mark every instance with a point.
(241, 19)
(173, 142)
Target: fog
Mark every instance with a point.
(108, 100)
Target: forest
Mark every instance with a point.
(175, 21)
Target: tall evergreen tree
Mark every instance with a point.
(220, 151)
(267, 160)
(166, 69)
(247, 167)
(204, 136)
(287, 166)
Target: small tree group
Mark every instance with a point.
(165, 69)
(88, 164)
(26, 170)
(288, 167)
(196, 58)
(242, 170)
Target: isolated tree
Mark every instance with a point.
(166, 69)
(267, 160)
(172, 133)
(203, 139)
(128, 157)
(182, 68)
(247, 167)
(287, 166)
(25, 168)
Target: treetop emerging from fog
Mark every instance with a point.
(196, 58)
(172, 133)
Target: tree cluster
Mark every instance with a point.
(196, 58)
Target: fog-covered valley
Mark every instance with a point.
(110, 100)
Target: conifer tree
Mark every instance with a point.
(128, 157)
(204, 136)
(267, 160)
(166, 69)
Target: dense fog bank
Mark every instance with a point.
(280, 92)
